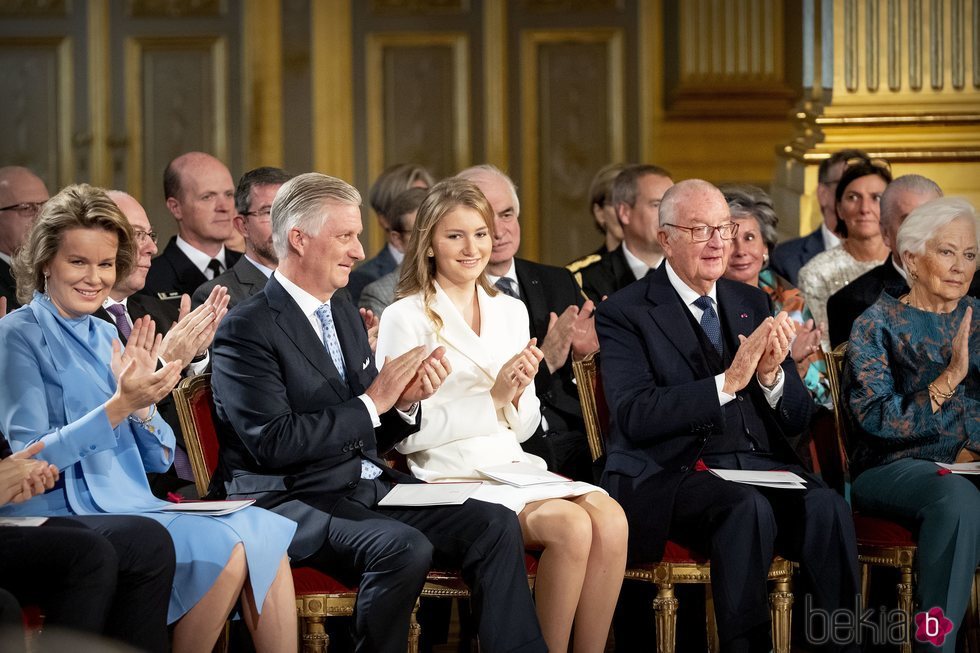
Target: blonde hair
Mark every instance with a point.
(76, 207)
(419, 268)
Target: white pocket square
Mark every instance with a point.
(367, 361)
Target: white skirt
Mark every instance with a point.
(516, 498)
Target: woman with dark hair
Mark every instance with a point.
(67, 382)
(487, 407)
(859, 226)
(911, 382)
(752, 210)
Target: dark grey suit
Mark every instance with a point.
(8, 287)
(789, 257)
(370, 270)
(293, 436)
(242, 281)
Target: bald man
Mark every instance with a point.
(200, 196)
(21, 195)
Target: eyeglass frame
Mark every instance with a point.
(139, 234)
(690, 230)
(20, 207)
(267, 212)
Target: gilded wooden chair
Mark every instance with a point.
(679, 564)
(318, 596)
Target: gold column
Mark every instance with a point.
(904, 85)
(262, 72)
(333, 104)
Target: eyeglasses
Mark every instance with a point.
(141, 235)
(703, 233)
(25, 209)
(881, 164)
(264, 212)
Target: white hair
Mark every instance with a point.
(488, 170)
(922, 224)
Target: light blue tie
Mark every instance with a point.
(709, 321)
(330, 339)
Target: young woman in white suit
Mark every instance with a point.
(485, 409)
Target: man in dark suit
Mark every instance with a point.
(253, 202)
(21, 195)
(788, 257)
(186, 334)
(385, 189)
(304, 416)
(900, 198)
(697, 374)
(200, 196)
(559, 320)
(637, 191)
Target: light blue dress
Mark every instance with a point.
(55, 380)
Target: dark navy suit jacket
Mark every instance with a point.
(789, 257)
(663, 400)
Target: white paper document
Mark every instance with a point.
(429, 494)
(521, 475)
(22, 521)
(774, 478)
(213, 508)
(962, 468)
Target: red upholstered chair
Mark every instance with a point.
(679, 564)
(318, 595)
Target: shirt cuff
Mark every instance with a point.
(723, 397)
(200, 366)
(775, 393)
(371, 409)
(411, 415)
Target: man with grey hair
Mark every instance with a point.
(304, 416)
(253, 203)
(697, 375)
(636, 195)
(559, 319)
(21, 195)
(900, 198)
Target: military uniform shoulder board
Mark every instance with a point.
(583, 262)
(167, 296)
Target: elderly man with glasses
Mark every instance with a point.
(697, 376)
(21, 195)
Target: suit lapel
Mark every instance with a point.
(736, 318)
(458, 335)
(248, 277)
(347, 321)
(533, 296)
(669, 313)
(297, 328)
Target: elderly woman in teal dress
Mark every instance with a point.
(66, 381)
(752, 210)
(912, 384)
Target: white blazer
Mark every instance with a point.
(461, 430)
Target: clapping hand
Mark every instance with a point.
(429, 376)
(747, 358)
(781, 334)
(22, 477)
(372, 323)
(138, 383)
(516, 374)
(193, 332)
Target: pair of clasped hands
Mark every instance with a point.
(22, 477)
(139, 383)
(761, 353)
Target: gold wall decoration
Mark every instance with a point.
(34, 8)
(402, 7)
(174, 8)
(332, 81)
(553, 6)
(572, 114)
(262, 81)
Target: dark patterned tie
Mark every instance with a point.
(215, 266)
(506, 286)
(118, 312)
(709, 321)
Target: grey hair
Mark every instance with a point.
(484, 170)
(680, 191)
(299, 205)
(915, 184)
(923, 223)
(752, 201)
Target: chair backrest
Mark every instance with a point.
(195, 408)
(838, 457)
(595, 412)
